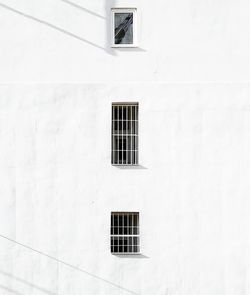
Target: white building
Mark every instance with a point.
(63, 76)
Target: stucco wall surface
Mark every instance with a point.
(69, 40)
(57, 189)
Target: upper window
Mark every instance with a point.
(124, 134)
(124, 27)
(125, 237)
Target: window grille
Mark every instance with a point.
(124, 134)
(125, 237)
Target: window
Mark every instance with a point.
(125, 233)
(124, 134)
(123, 27)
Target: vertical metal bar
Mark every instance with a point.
(127, 108)
(112, 233)
(131, 136)
(112, 136)
(118, 134)
(122, 134)
(136, 131)
(133, 233)
(118, 231)
(123, 233)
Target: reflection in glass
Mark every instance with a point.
(123, 28)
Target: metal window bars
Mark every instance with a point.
(124, 134)
(125, 237)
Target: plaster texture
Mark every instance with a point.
(69, 40)
(58, 188)
(58, 78)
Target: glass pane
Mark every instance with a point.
(115, 220)
(123, 28)
(115, 127)
(115, 113)
(125, 220)
(129, 113)
(135, 221)
(136, 248)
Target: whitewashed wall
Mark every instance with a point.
(58, 78)
(192, 40)
(58, 189)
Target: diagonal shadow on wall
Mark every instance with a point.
(83, 8)
(52, 26)
(69, 265)
(10, 290)
(26, 283)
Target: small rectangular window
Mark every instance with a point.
(124, 27)
(125, 237)
(124, 134)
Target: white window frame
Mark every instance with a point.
(124, 10)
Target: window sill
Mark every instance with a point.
(124, 46)
(127, 254)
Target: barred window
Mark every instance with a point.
(124, 134)
(125, 237)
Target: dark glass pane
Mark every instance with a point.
(133, 113)
(115, 113)
(115, 220)
(135, 249)
(115, 249)
(136, 112)
(120, 157)
(136, 157)
(115, 230)
(124, 113)
(124, 142)
(116, 158)
(123, 28)
(135, 231)
(119, 112)
(130, 220)
(136, 127)
(125, 219)
(125, 242)
(130, 249)
(120, 127)
(129, 113)
(115, 241)
(128, 127)
(120, 220)
(135, 221)
(124, 157)
(120, 143)
(115, 130)
(129, 157)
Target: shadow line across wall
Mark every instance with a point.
(69, 265)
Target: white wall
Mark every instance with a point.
(58, 189)
(178, 41)
(58, 78)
